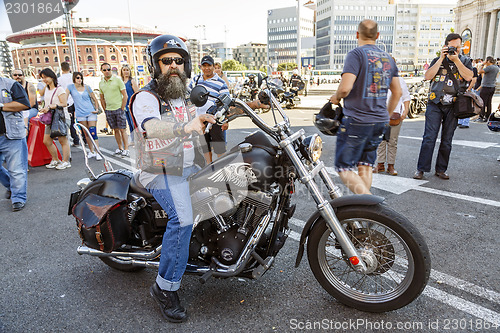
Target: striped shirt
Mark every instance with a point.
(214, 84)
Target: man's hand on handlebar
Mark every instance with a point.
(198, 124)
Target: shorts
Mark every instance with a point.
(90, 117)
(116, 119)
(357, 144)
(216, 139)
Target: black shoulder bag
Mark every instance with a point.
(467, 104)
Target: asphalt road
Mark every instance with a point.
(47, 287)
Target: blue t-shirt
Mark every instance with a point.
(82, 101)
(374, 70)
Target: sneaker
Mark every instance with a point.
(117, 152)
(170, 305)
(98, 157)
(91, 155)
(63, 165)
(125, 153)
(52, 164)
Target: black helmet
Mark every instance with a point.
(328, 120)
(164, 44)
(494, 121)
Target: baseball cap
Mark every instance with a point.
(207, 60)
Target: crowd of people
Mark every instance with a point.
(375, 103)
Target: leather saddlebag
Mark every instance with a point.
(102, 222)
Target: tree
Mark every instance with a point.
(287, 66)
(233, 65)
(263, 69)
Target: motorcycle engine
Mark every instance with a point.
(225, 234)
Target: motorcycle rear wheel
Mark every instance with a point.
(121, 264)
(395, 253)
(413, 110)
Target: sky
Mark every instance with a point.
(245, 21)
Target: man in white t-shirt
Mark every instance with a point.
(386, 151)
(64, 80)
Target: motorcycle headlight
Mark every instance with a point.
(313, 146)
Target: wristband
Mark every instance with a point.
(179, 129)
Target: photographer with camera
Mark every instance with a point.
(439, 112)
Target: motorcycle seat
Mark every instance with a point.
(136, 187)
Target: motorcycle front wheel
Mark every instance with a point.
(393, 250)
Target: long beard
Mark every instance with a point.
(172, 87)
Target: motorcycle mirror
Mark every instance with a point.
(199, 96)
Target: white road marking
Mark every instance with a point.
(473, 144)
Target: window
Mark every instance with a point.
(24, 61)
(124, 58)
(45, 51)
(101, 58)
(66, 59)
(88, 49)
(56, 59)
(37, 52)
(37, 60)
(47, 60)
(31, 61)
(113, 57)
(54, 51)
(89, 58)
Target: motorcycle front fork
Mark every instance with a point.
(324, 206)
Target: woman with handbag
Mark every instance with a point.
(86, 109)
(55, 102)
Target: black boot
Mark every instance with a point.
(170, 305)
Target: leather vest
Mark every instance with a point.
(164, 156)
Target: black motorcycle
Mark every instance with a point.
(361, 251)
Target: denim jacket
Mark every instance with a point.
(14, 121)
(169, 159)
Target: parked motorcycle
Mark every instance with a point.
(288, 98)
(361, 251)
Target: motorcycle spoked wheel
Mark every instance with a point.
(121, 264)
(395, 252)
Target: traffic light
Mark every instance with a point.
(63, 39)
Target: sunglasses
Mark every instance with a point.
(168, 61)
(106, 70)
(17, 74)
(78, 78)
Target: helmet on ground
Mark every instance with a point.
(328, 119)
(164, 44)
(494, 121)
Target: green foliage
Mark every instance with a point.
(233, 65)
(287, 66)
(263, 69)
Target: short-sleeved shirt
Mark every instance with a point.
(52, 97)
(214, 84)
(111, 89)
(82, 100)
(442, 89)
(64, 81)
(16, 93)
(404, 98)
(374, 70)
(490, 76)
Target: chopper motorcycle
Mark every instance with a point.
(361, 252)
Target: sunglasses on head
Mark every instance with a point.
(17, 74)
(168, 61)
(106, 70)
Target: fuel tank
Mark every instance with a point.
(251, 165)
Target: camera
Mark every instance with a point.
(452, 50)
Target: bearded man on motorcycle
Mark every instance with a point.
(169, 153)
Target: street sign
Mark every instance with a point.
(140, 68)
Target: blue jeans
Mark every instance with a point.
(15, 176)
(172, 193)
(357, 144)
(437, 116)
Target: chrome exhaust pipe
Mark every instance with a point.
(133, 255)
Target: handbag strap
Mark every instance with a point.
(453, 78)
(55, 90)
